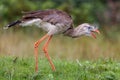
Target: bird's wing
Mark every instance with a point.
(34, 14)
(52, 16)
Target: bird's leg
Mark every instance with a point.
(36, 50)
(46, 53)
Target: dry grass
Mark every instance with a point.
(20, 44)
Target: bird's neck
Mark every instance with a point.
(73, 32)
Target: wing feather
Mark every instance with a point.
(52, 16)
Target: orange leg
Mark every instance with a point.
(36, 50)
(46, 53)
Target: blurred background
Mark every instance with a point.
(19, 41)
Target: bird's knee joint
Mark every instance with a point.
(45, 50)
(36, 44)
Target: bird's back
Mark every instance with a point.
(51, 16)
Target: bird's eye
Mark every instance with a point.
(89, 28)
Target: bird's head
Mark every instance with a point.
(87, 30)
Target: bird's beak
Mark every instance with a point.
(93, 33)
(97, 31)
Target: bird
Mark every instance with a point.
(54, 22)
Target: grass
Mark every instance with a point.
(23, 69)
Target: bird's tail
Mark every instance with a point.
(12, 24)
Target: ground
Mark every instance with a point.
(12, 68)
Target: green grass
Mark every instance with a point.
(23, 69)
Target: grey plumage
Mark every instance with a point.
(54, 22)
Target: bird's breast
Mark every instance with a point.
(53, 29)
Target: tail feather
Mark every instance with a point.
(12, 24)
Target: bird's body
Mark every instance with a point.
(54, 22)
(46, 26)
